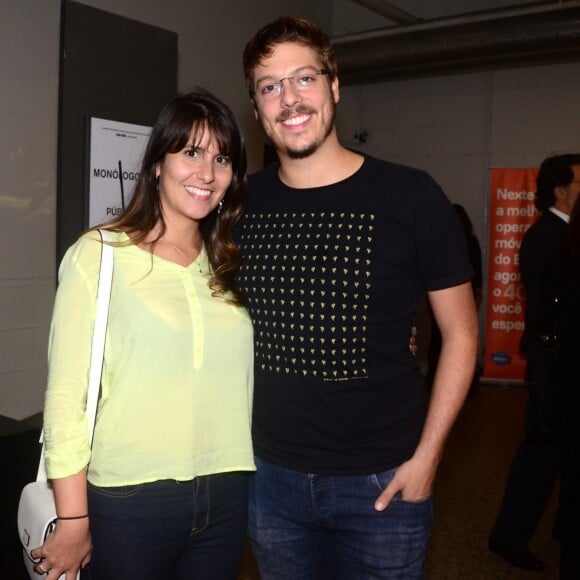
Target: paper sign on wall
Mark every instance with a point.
(116, 150)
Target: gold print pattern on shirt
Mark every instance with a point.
(307, 277)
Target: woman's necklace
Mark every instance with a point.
(181, 252)
(178, 250)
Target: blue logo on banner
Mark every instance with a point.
(500, 358)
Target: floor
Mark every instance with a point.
(468, 492)
(467, 496)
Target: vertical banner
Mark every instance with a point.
(115, 157)
(512, 212)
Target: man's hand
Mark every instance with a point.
(414, 479)
(412, 341)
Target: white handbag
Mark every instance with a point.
(36, 508)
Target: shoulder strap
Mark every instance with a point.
(98, 343)
(100, 330)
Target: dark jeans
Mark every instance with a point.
(319, 527)
(169, 530)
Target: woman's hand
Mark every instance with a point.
(69, 546)
(65, 550)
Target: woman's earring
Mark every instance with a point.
(220, 205)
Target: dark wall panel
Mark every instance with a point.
(113, 68)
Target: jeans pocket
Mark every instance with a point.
(120, 491)
(383, 479)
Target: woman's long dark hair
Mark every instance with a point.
(204, 112)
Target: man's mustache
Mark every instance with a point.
(299, 110)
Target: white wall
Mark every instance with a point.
(458, 127)
(455, 127)
(211, 38)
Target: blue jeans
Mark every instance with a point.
(169, 530)
(318, 527)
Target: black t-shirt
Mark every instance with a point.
(333, 277)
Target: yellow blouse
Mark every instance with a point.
(176, 390)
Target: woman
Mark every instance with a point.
(162, 492)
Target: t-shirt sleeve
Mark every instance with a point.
(441, 245)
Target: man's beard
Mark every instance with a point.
(312, 147)
(303, 153)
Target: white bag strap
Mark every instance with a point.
(98, 343)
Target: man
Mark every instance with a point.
(339, 249)
(536, 464)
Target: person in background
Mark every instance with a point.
(162, 493)
(474, 249)
(558, 323)
(339, 249)
(569, 377)
(536, 465)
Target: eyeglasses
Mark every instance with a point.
(302, 81)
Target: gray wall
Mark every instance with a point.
(455, 127)
(211, 37)
(458, 127)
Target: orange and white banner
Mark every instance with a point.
(512, 212)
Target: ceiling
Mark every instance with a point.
(361, 15)
(379, 40)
